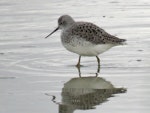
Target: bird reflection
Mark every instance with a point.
(85, 93)
(97, 72)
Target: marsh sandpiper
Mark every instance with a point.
(85, 38)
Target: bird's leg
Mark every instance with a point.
(98, 69)
(78, 64)
(98, 60)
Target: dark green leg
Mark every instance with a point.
(78, 64)
(98, 60)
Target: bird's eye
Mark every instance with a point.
(61, 23)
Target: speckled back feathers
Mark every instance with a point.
(92, 33)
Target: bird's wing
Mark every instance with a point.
(93, 34)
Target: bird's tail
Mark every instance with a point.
(123, 41)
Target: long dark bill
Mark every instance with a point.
(52, 32)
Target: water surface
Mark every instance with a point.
(38, 75)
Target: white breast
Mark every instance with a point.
(85, 48)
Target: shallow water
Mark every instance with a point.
(38, 75)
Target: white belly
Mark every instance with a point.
(87, 49)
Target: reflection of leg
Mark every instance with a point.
(98, 68)
(79, 71)
(78, 64)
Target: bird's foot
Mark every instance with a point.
(78, 65)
